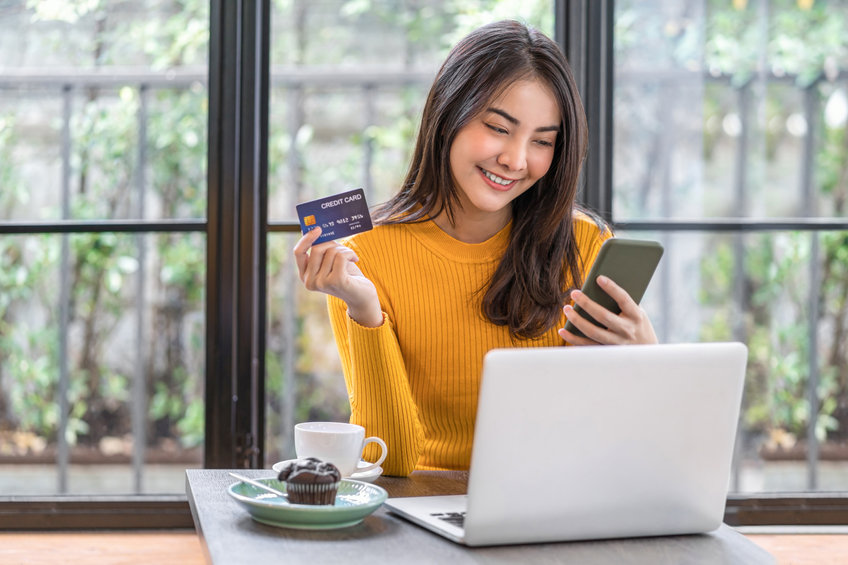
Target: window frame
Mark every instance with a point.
(239, 70)
(236, 229)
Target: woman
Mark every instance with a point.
(481, 248)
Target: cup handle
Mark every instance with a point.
(384, 452)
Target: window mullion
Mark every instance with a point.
(586, 35)
(237, 179)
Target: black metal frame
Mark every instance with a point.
(102, 226)
(238, 159)
(584, 29)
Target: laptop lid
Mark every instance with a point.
(602, 442)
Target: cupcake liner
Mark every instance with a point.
(312, 493)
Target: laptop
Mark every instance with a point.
(580, 443)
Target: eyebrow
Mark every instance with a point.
(514, 120)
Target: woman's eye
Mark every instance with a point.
(496, 129)
(545, 143)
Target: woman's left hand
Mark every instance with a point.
(630, 326)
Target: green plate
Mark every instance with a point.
(354, 501)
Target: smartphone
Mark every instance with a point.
(630, 263)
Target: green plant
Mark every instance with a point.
(806, 41)
(103, 267)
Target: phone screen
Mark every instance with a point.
(630, 263)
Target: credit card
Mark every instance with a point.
(340, 215)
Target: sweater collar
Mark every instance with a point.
(432, 236)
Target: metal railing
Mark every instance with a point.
(806, 220)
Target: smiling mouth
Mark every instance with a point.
(496, 179)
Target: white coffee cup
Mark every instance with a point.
(336, 442)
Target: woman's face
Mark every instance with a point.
(503, 151)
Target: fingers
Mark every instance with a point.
(625, 301)
(631, 325)
(575, 339)
(592, 334)
(302, 247)
(315, 263)
(327, 267)
(591, 308)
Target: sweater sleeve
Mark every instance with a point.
(378, 389)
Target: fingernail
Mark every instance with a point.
(602, 280)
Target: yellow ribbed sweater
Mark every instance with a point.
(414, 380)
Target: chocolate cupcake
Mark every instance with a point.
(311, 481)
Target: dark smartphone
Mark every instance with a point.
(630, 263)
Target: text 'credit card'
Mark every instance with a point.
(340, 215)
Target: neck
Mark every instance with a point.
(472, 229)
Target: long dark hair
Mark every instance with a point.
(528, 288)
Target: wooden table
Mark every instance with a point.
(229, 536)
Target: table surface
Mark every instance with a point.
(229, 536)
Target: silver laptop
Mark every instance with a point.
(597, 442)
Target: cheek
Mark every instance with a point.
(480, 142)
(464, 148)
(540, 164)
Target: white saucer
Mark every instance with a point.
(368, 476)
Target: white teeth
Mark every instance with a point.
(495, 178)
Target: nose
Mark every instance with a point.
(514, 156)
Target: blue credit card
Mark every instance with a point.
(339, 216)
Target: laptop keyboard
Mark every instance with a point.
(455, 518)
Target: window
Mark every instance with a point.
(103, 196)
(729, 146)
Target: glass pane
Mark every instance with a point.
(348, 85)
(303, 373)
(772, 291)
(103, 109)
(729, 109)
(114, 325)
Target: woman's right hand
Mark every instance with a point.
(331, 268)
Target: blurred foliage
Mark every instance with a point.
(775, 322)
(772, 76)
(807, 42)
(103, 268)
